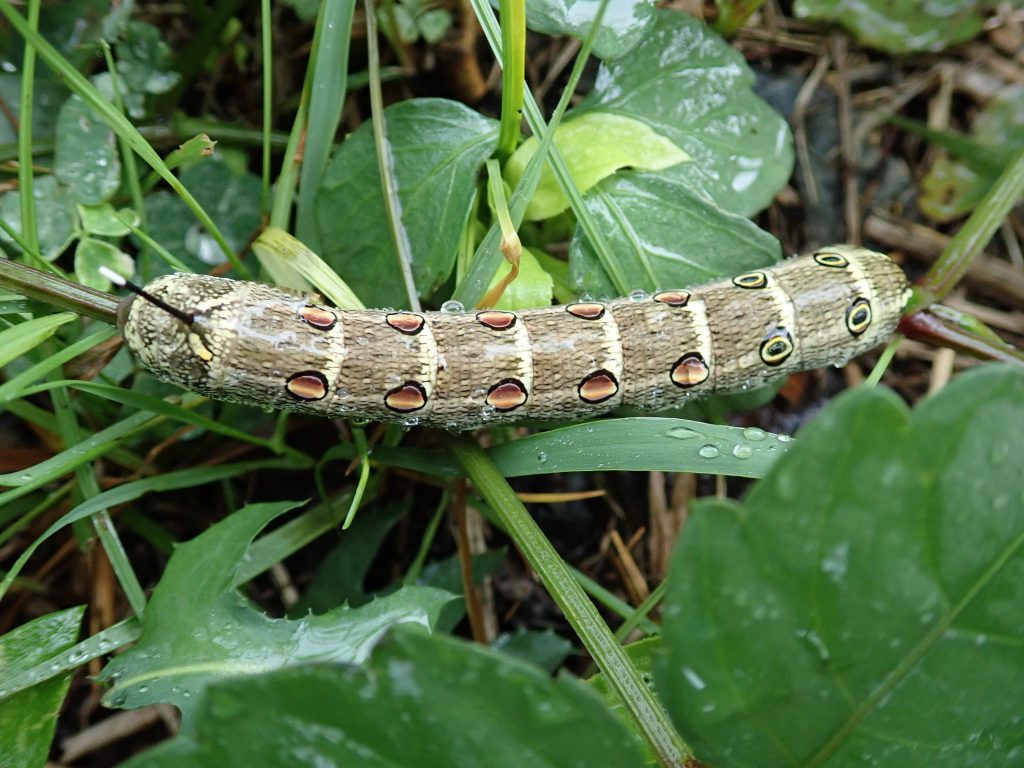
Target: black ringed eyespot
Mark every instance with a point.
(830, 259)
(858, 316)
(776, 347)
(750, 280)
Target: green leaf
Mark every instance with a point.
(901, 26)
(232, 199)
(434, 24)
(197, 629)
(104, 221)
(622, 26)
(92, 254)
(954, 187)
(55, 217)
(683, 237)
(864, 605)
(85, 160)
(28, 719)
(691, 87)
(532, 287)
(594, 145)
(423, 701)
(19, 339)
(438, 148)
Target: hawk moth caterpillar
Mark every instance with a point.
(260, 344)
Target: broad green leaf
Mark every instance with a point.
(104, 221)
(437, 149)
(233, 201)
(622, 26)
(864, 605)
(420, 700)
(691, 87)
(86, 161)
(47, 96)
(144, 62)
(683, 237)
(954, 187)
(91, 254)
(19, 339)
(198, 629)
(594, 145)
(28, 719)
(55, 217)
(531, 288)
(901, 26)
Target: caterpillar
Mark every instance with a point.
(264, 345)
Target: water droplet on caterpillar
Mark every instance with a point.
(452, 307)
(410, 421)
(638, 295)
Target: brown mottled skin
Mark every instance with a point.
(248, 339)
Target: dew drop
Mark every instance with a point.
(143, 689)
(708, 451)
(742, 451)
(682, 433)
(754, 434)
(452, 307)
(410, 421)
(784, 438)
(542, 457)
(638, 295)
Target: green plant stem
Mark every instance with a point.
(972, 238)
(513, 69)
(399, 237)
(53, 290)
(267, 47)
(639, 700)
(78, 83)
(27, 201)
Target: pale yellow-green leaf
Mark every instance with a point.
(531, 288)
(594, 145)
(19, 339)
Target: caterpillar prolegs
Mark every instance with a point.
(259, 344)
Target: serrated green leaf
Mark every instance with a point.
(864, 605)
(409, 705)
(691, 87)
(91, 254)
(901, 26)
(28, 719)
(438, 148)
(622, 26)
(684, 238)
(85, 159)
(594, 146)
(197, 629)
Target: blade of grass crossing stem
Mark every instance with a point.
(267, 50)
(26, 199)
(976, 232)
(488, 254)
(11, 388)
(89, 488)
(513, 69)
(392, 206)
(326, 98)
(534, 118)
(78, 83)
(638, 699)
(131, 171)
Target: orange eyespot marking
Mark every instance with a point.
(307, 385)
(750, 280)
(598, 386)
(858, 316)
(407, 397)
(406, 322)
(323, 319)
(673, 298)
(828, 259)
(690, 370)
(586, 310)
(497, 320)
(776, 347)
(507, 395)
